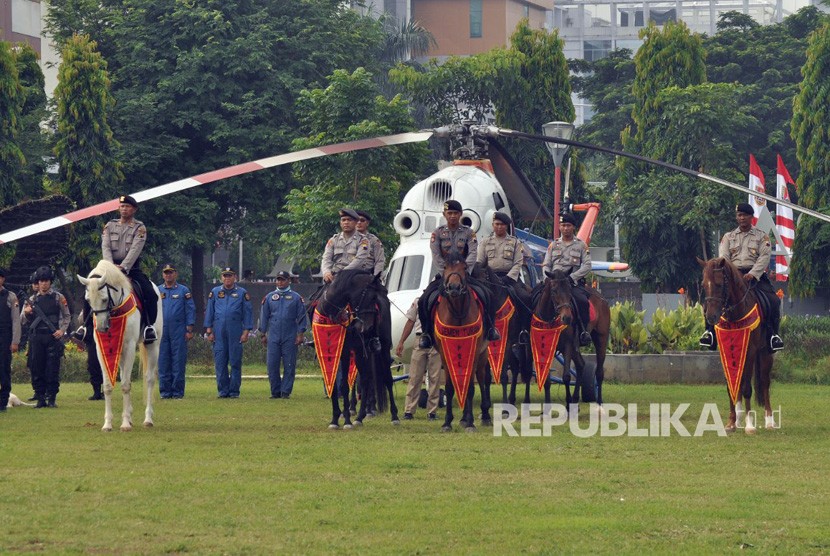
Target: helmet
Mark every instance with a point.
(44, 273)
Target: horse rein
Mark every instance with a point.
(454, 291)
(111, 304)
(724, 296)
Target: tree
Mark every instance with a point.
(349, 108)
(659, 247)
(11, 157)
(33, 141)
(810, 269)
(89, 171)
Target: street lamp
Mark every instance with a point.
(561, 130)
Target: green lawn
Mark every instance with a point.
(261, 476)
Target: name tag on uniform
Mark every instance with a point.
(175, 296)
(275, 297)
(234, 294)
(287, 296)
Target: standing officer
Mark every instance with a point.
(122, 242)
(347, 250)
(283, 321)
(453, 237)
(85, 337)
(748, 248)
(377, 256)
(179, 314)
(9, 338)
(47, 315)
(228, 321)
(569, 254)
(423, 363)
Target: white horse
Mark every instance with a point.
(107, 290)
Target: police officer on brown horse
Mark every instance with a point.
(570, 254)
(122, 241)
(748, 248)
(453, 237)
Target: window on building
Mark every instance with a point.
(475, 19)
(596, 50)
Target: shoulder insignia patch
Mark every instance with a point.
(163, 295)
(210, 295)
(188, 295)
(247, 296)
(142, 231)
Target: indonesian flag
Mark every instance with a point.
(783, 221)
(756, 183)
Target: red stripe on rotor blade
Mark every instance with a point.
(94, 210)
(228, 172)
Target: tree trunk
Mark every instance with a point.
(197, 263)
(703, 244)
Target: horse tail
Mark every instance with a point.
(759, 391)
(383, 380)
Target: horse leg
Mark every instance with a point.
(393, 408)
(486, 402)
(335, 403)
(764, 379)
(149, 359)
(344, 391)
(127, 359)
(732, 423)
(505, 397)
(107, 387)
(448, 417)
(467, 418)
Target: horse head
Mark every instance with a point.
(724, 288)
(556, 298)
(106, 288)
(352, 297)
(455, 276)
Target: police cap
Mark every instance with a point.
(567, 218)
(348, 213)
(364, 214)
(503, 218)
(452, 204)
(168, 267)
(228, 271)
(745, 208)
(284, 275)
(128, 199)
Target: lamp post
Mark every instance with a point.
(561, 130)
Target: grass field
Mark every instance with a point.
(261, 476)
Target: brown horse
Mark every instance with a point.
(729, 299)
(555, 301)
(458, 319)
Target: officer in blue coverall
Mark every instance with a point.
(228, 321)
(179, 313)
(284, 319)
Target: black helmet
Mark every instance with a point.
(44, 273)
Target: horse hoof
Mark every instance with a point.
(358, 423)
(126, 428)
(730, 428)
(470, 429)
(396, 422)
(333, 427)
(148, 424)
(348, 427)
(486, 423)
(446, 428)
(106, 429)
(750, 430)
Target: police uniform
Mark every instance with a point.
(283, 317)
(573, 257)
(424, 362)
(121, 244)
(377, 256)
(504, 255)
(10, 332)
(228, 314)
(346, 253)
(45, 349)
(179, 314)
(461, 240)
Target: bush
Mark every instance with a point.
(677, 330)
(628, 334)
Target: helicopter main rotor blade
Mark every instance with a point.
(215, 175)
(492, 131)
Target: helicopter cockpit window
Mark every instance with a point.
(430, 223)
(405, 273)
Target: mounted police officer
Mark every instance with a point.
(47, 315)
(179, 313)
(9, 338)
(347, 250)
(228, 321)
(453, 237)
(283, 322)
(376, 252)
(748, 248)
(571, 255)
(122, 241)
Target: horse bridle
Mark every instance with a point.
(557, 307)
(724, 295)
(111, 304)
(453, 290)
(353, 314)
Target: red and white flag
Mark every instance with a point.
(756, 183)
(783, 221)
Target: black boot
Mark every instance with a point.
(41, 402)
(374, 344)
(425, 342)
(51, 402)
(584, 338)
(96, 394)
(493, 334)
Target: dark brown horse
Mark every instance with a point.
(352, 300)
(555, 301)
(729, 299)
(517, 352)
(458, 319)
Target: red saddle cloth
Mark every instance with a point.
(496, 350)
(329, 337)
(544, 337)
(458, 344)
(733, 343)
(111, 342)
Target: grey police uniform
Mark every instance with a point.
(566, 256)
(504, 255)
(377, 255)
(749, 251)
(346, 253)
(122, 244)
(462, 240)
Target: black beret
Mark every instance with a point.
(568, 218)
(503, 218)
(364, 214)
(128, 199)
(348, 213)
(452, 204)
(228, 270)
(745, 208)
(2, 272)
